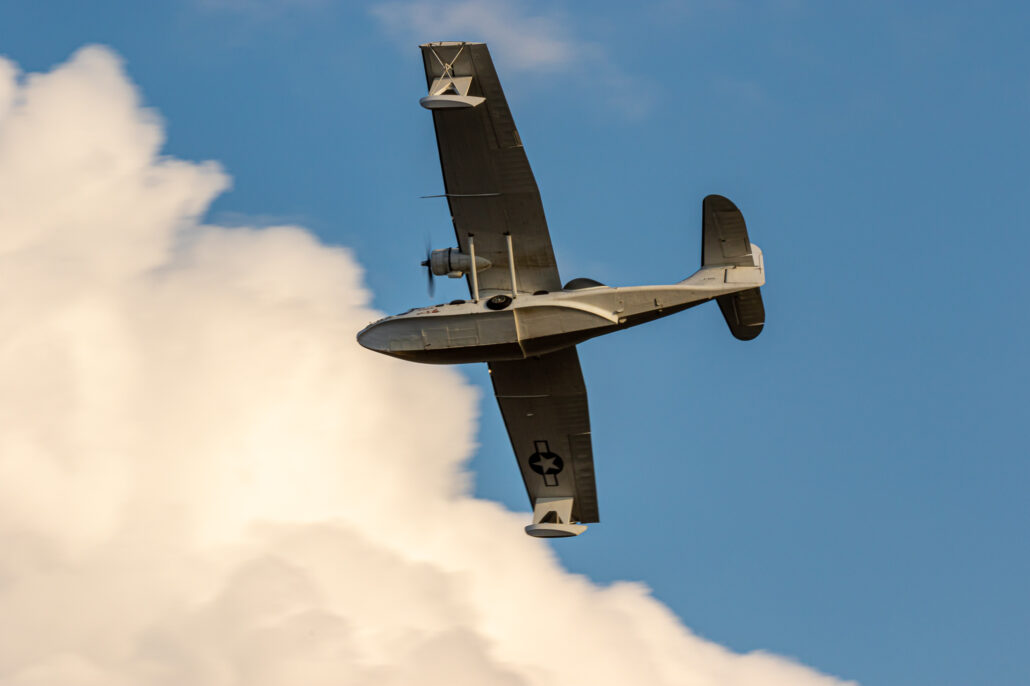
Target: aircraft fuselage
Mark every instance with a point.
(531, 325)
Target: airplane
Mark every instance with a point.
(520, 319)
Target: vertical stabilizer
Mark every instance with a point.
(725, 243)
(724, 240)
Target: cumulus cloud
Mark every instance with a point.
(205, 481)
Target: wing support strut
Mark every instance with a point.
(511, 265)
(475, 277)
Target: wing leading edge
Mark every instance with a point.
(487, 179)
(544, 404)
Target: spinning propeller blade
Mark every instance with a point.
(430, 286)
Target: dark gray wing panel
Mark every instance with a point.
(490, 187)
(544, 404)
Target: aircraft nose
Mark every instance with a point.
(392, 336)
(371, 339)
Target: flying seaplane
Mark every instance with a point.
(520, 319)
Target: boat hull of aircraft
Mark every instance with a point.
(533, 325)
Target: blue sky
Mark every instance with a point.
(848, 489)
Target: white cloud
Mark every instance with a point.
(521, 38)
(205, 481)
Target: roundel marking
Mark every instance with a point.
(546, 463)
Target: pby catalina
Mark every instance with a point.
(520, 320)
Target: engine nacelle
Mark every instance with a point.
(454, 263)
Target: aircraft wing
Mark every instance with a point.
(544, 404)
(489, 185)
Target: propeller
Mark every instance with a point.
(430, 286)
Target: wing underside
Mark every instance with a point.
(544, 404)
(487, 179)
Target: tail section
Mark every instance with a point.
(725, 243)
